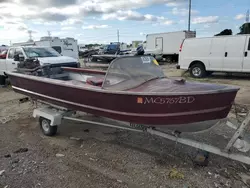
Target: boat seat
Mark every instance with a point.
(95, 81)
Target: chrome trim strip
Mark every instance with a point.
(123, 113)
(98, 89)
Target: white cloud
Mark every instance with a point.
(124, 15)
(10, 34)
(66, 12)
(168, 22)
(172, 4)
(135, 16)
(95, 27)
(63, 15)
(62, 33)
(207, 26)
(205, 20)
(93, 7)
(47, 3)
(52, 11)
(14, 10)
(182, 21)
(72, 21)
(67, 28)
(182, 11)
(175, 3)
(240, 17)
(13, 24)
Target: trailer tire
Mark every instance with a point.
(201, 158)
(198, 70)
(46, 128)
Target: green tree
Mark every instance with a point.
(225, 32)
(91, 45)
(244, 29)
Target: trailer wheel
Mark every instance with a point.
(201, 158)
(47, 129)
(198, 70)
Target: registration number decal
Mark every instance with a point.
(146, 59)
(167, 100)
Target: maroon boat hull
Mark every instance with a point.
(135, 108)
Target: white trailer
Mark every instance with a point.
(51, 116)
(203, 56)
(66, 47)
(169, 43)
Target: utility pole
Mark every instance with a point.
(30, 35)
(189, 15)
(118, 36)
(247, 16)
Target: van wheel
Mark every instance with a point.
(198, 71)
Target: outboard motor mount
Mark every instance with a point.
(140, 50)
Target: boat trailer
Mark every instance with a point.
(50, 117)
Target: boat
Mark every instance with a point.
(134, 89)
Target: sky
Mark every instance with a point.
(97, 21)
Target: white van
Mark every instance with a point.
(203, 56)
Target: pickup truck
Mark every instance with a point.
(45, 55)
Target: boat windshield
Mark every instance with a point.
(129, 72)
(40, 52)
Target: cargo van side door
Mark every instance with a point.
(216, 55)
(233, 55)
(246, 61)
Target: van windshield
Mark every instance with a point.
(40, 52)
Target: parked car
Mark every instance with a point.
(203, 56)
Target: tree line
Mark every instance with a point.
(244, 29)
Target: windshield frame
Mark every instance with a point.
(49, 50)
(131, 76)
(3, 52)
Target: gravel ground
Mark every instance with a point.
(83, 155)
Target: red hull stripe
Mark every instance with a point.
(123, 113)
